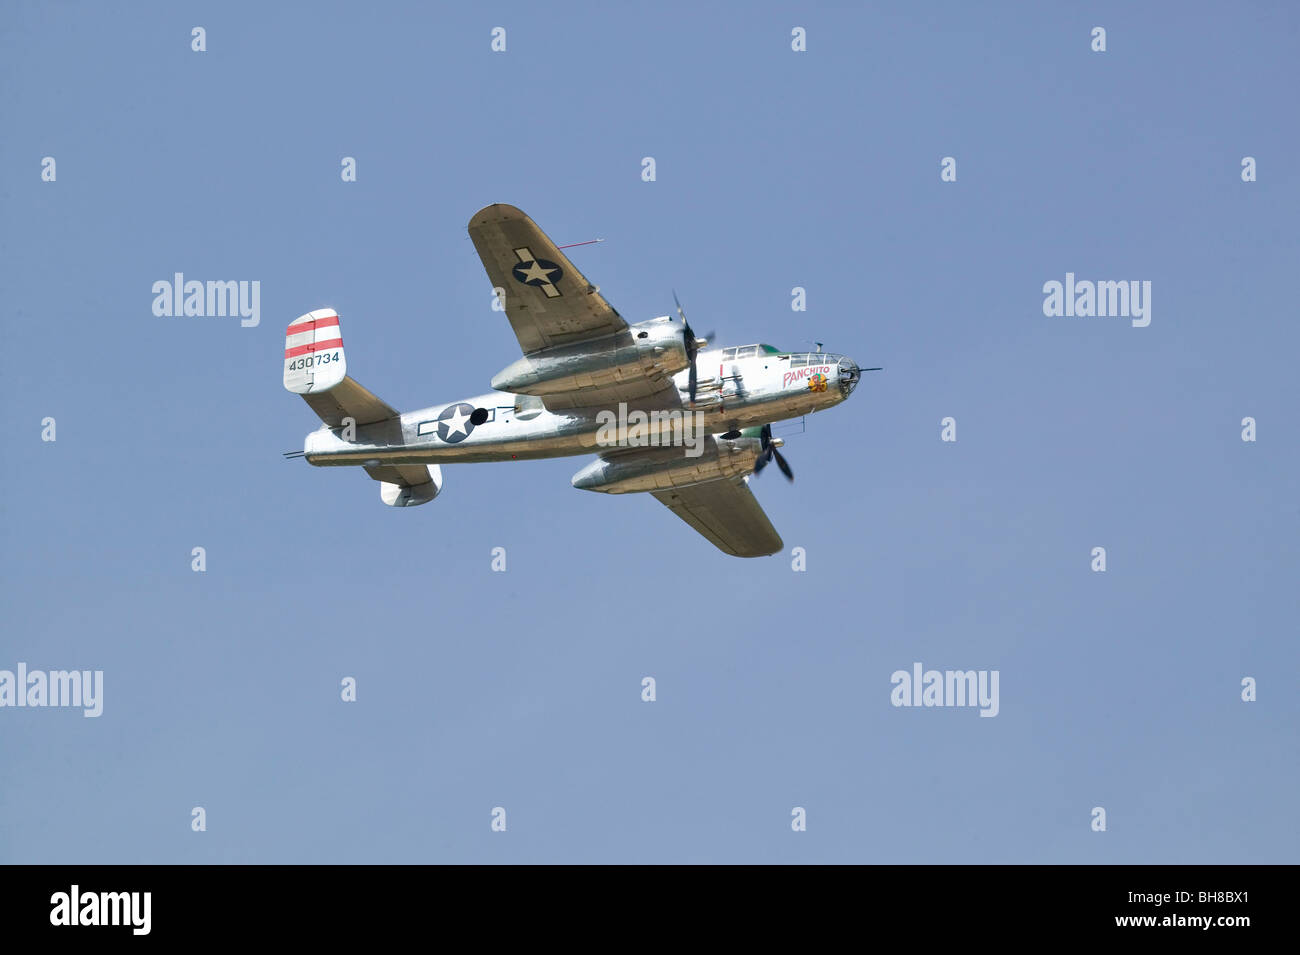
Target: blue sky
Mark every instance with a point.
(521, 689)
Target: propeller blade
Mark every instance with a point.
(769, 452)
(780, 462)
(692, 346)
(680, 311)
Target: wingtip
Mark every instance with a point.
(496, 212)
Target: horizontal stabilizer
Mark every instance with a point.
(348, 399)
(406, 485)
(315, 367)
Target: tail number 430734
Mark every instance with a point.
(308, 361)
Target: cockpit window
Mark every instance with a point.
(728, 354)
(747, 351)
(813, 358)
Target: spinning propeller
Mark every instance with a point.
(769, 451)
(693, 344)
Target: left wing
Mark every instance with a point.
(548, 301)
(550, 304)
(727, 513)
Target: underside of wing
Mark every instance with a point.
(727, 513)
(548, 301)
(645, 394)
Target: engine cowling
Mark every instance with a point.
(657, 469)
(645, 348)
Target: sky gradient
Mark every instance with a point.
(522, 689)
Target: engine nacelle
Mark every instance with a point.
(658, 469)
(647, 347)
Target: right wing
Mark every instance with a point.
(548, 301)
(727, 513)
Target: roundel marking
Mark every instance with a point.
(454, 422)
(537, 272)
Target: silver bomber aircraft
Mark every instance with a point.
(666, 413)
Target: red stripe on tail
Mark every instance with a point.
(316, 346)
(301, 327)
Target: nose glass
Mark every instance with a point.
(849, 375)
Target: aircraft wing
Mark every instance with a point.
(646, 393)
(548, 301)
(727, 513)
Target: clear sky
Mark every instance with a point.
(522, 689)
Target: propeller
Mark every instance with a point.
(693, 344)
(769, 451)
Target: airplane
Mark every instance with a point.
(667, 413)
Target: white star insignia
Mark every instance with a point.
(535, 272)
(456, 423)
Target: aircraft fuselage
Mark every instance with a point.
(731, 394)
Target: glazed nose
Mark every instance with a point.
(849, 375)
